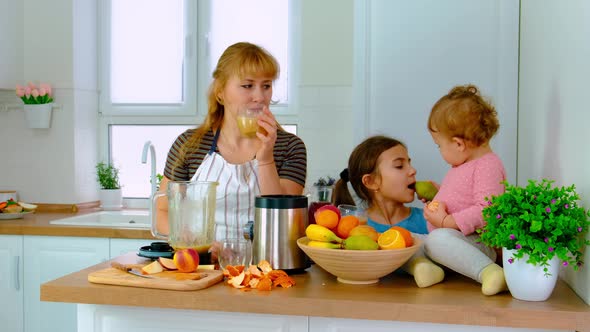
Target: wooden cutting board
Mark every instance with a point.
(164, 280)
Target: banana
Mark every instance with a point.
(326, 245)
(316, 232)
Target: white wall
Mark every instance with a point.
(56, 165)
(553, 102)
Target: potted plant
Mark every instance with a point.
(38, 102)
(540, 226)
(111, 197)
(324, 188)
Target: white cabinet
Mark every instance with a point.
(319, 324)
(11, 283)
(48, 258)
(122, 246)
(104, 318)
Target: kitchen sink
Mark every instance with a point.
(117, 219)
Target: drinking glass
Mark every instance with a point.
(352, 210)
(248, 120)
(235, 252)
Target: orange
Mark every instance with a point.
(391, 239)
(346, 224)
(326, 218)
(406, 234)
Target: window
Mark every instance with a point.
(156, 60)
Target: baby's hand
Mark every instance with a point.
(434, 212)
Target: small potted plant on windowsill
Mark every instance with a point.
(540, 226)
(111, 197)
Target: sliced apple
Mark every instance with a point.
(152, 268)
(167, 263)
(27, 206)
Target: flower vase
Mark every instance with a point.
(527, 281)
(38, 115)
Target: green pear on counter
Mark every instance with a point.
(425, 190)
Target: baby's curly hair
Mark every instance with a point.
(465, 114)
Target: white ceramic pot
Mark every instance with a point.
(526, 281)
(111, 199)
(38, 115)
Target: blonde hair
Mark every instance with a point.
(241, 60)
(465, 114)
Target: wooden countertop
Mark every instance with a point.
(457, 300)
(39, 224)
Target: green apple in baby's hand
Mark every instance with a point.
(425, 190)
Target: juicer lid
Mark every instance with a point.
(281, 201)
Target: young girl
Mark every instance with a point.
(461, 124)
(381, 174)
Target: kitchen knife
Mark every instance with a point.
(131, 268)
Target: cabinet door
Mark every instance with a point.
(11, 283)
(123, 246)
(48, 258)
(105, 318)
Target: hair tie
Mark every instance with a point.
(344, 175)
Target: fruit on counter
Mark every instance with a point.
(406, 234)
(346, 224)
(433, 206)
(167, 263)
(12, 206)
(27, 206)
(327, 216)
(391, 239)
(365, 230)
(151, 268)
(326, 245)
(360, 242)
(316, 232)
(186, 259)
(425, 190)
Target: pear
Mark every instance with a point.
(425, 190)
(360, 242)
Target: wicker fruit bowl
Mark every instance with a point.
(359, 266)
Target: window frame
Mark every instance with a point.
(196, 78)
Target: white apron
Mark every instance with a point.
(237, 189)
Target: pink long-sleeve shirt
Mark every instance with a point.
(465, 188)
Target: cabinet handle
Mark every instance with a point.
(17, 272)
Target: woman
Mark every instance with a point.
(271, 162)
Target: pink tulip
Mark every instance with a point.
(47, 88)
(20, 90)
(32, 86)
(42, 92)
(35, 93)
(28, 92)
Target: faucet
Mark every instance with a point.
(150, 146)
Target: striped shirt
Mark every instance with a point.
(290, 157)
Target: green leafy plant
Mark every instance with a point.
(539, 220)
(108, 176)
(322, 182)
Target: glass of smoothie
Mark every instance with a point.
(248, 120)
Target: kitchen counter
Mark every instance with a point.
(39, 224)
(317, 294)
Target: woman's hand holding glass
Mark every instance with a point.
(268, 135)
